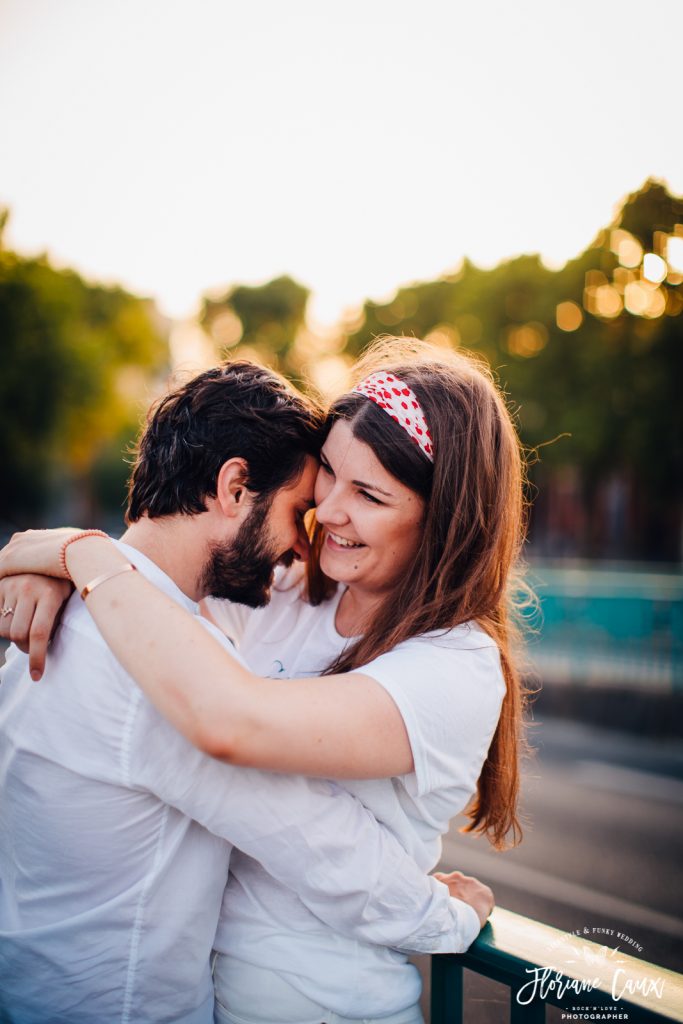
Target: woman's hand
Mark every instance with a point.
(35, 551)
(469, 890)
(30, 609)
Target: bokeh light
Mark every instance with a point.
(674, 303)
(654, 268)
(226, 329)
(642, 299)
(607, 301)
(568, 316)
(527, 340)
(331, 376)
(657, 304)
(191, 349)
(622, 277)
(445, 335)
(600, 297)
(674, 253)
(627, 249)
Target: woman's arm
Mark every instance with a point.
(344, 726)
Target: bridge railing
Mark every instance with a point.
(543, 966)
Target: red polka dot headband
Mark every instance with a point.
(400, 402)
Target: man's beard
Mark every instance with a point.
(242, 570)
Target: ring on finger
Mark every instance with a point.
(6, 611)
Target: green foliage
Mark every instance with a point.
(75, 358)
(269, 318)
(610, 388)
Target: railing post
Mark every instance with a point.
(447, 991)
(529, 1013)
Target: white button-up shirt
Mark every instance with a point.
(115, 839)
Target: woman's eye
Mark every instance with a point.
(371, 497)
(326, 467)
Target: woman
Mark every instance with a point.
(419, 525)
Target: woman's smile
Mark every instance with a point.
(339, 543)
(372, 522)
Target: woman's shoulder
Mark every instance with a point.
(468, 636)
(449, 687)
(460, 664)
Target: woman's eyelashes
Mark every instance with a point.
(371, 497)
(327, 468)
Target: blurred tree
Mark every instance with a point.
(264, 320)
(592, 352)
(76, 361)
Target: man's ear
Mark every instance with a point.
(231, 488)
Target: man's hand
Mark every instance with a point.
(469, 890)
(30, 608)
(35, 551)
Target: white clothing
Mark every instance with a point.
(257, 991)
(113, 852)
(449, 688)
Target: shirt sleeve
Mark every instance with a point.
(449, 691)
(309, 834)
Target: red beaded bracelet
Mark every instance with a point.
(70, 540)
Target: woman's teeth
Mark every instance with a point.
(343, 542)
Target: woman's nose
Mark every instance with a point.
(330, 508)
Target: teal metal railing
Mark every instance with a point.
(543, 966)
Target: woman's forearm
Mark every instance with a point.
(343, 726)
(180, 667)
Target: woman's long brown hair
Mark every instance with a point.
(467, 564)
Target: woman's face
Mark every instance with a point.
(372, 522)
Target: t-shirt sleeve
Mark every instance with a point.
(449, 695)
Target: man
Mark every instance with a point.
(115, 833)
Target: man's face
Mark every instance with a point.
(274, 532)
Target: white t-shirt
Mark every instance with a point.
(113, 852)
(449, 689)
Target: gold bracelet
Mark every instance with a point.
(89, 587)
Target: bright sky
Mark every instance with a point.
(181, 145)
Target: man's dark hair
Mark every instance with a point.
(238, 409)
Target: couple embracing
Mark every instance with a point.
(253, 725)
